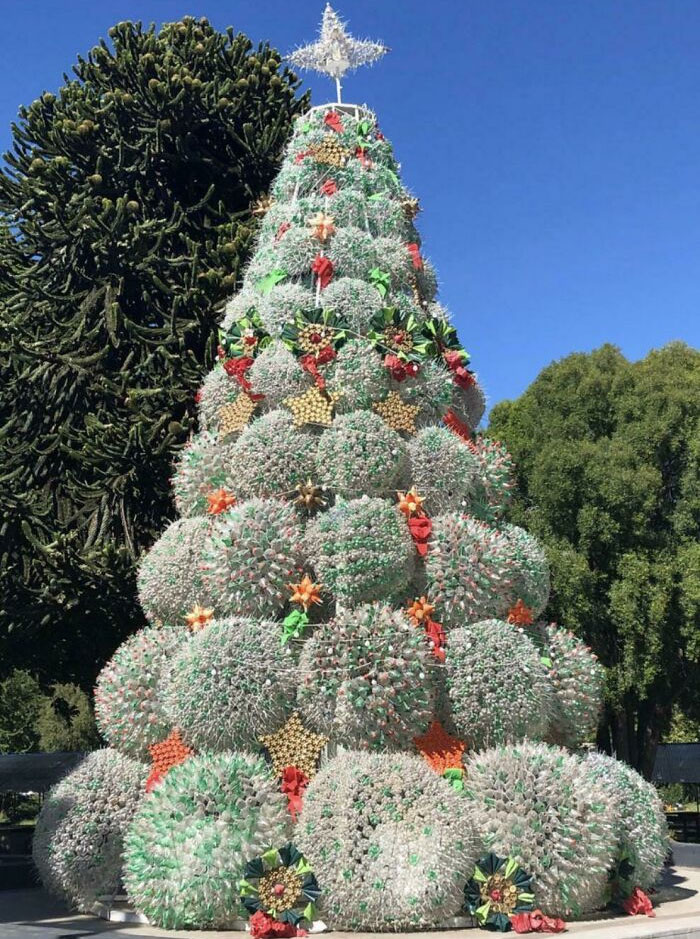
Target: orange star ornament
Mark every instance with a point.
(198, 617)
(410, 503)
(305, 593)
(219, 500)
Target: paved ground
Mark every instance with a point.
(30, 914)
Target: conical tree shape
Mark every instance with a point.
(344, 594)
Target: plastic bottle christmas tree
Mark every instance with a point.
(345, 650)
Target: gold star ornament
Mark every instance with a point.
(396, 413)
(313, 407)
(294, 745)
(235, 416)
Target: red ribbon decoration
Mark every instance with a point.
(638, 903)
(536, 921)
(263, 926)
(302, 155)
(310, 363)
(421, 528)
(294, 784)
(237, 369)
(154, 777)
(323, 269)
(438, 638)
(329, 188)
(462, 376)
(332, 120)
(282, 230)
(453, 423)
(361, 155)
(416, 259)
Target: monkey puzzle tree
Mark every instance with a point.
(127, 200)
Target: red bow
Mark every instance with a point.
(309, 363)
(284, 227)
(420, 528)
(329, 188)
(638, 902)
(154, 777)
(414, 251)
(536, 922)
(361, 155)
(332, 120)
(458, 427)
(323, 268)
(301, 156)
(438, 638)
(263, 926)
(463, 377)
(237, 369)
(400, 369)
(294, 783)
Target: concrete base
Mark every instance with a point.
(31, 914)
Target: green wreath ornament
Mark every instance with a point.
(497, 888)
(281, 884)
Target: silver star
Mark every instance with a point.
(336, 52)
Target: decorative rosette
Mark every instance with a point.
(395, 334)
(438, 337)
(313, 332)
(498, 888)
(280, 884)
(245, 337)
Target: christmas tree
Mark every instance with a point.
(352, 708)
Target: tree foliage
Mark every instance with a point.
(608, 458)
(66, 721)
(126, 219)
(21, 699)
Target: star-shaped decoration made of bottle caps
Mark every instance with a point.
(313, 406)
(235, 416)
(294, 745)
(166, 754)
(439, 749)
(396, 413)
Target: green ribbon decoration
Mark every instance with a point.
(455, 777)
(381, 280)
(266, 283)
(293, 626)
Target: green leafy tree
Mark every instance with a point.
(608, 457)
(126, 206)
(65, 720)
(21, 700)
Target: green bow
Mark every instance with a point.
(294, 625)
(381, 280)
(266, 283)
(455, 777)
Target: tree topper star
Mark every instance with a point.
(336, 52)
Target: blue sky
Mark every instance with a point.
(554, 144)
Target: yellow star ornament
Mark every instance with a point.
(396, 413)
(294, 745)
(233, 417)
(313, 407)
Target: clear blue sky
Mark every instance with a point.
(554, 144)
